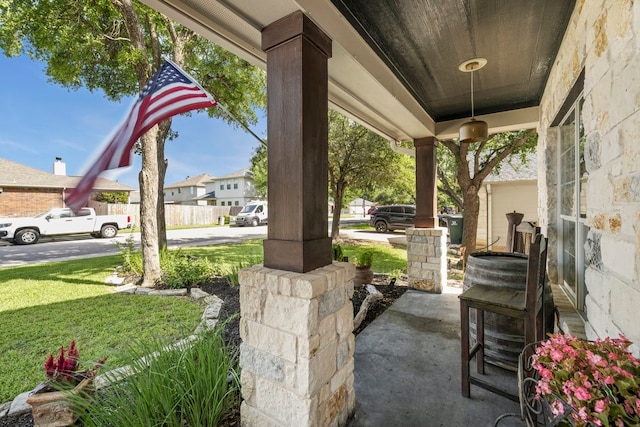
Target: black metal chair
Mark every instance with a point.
(526, 304)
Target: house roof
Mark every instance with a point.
(209, 196)
(14, 174)
(516, 170)
(196, 181)
(240, 173)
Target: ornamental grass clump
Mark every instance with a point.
(597, 382)
(192, 383)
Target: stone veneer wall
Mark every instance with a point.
(603, 38)
(298, 346)
(427, 258)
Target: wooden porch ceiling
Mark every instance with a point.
(395, 63)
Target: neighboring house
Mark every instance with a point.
(26, 191)
(513, 188)
(359, 207)
(233, 189)
(188, 191)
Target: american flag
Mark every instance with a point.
(169, 92)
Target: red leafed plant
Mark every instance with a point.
(65, 368)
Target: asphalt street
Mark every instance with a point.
(62, 248)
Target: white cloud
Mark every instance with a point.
(18, 146)
(70, 144)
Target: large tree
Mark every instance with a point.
(358, 160)
(258, 170)
(463, 167)
(116, 46)
(361, 164)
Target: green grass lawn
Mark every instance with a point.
(386, 259)
(45, 306)
(361, 226)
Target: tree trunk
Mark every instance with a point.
(337, 209)
(149, 184)
(470, 220)
(160, 211)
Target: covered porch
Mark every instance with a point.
(568, 69)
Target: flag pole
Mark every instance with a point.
(245, 127)
(224, 109)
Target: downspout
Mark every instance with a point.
(406, 151)
(489, 216)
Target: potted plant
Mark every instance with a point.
(364, 274)
(588, 383)
(49, 401)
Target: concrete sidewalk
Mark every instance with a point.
(407, 369)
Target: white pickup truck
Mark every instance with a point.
(58, 221)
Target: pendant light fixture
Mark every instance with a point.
(473, 130)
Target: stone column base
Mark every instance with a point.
(427, 258)
(298, 346)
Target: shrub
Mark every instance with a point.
(181, 270)
(131, 258)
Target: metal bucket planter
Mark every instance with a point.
(364, 276)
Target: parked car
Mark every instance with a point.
(393, 217)
(59, 221)
(253, 214)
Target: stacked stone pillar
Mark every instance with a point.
(298, 346)
(426, 244)
(427, 258)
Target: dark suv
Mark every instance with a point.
(389, 218)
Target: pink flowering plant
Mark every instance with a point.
(595, 381)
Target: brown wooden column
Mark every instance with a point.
(297, 129)
(426, 183)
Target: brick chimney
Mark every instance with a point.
(59, 168)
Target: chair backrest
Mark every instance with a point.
(524, 235)
(536, 271)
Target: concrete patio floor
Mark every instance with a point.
(407, 369)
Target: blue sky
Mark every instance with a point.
(40, 121)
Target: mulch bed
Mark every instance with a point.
(220, 287)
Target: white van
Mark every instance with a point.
(253, 214)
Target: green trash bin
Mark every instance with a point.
(454, 224)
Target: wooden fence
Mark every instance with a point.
(175, 215)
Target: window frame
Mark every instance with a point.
(578, 216)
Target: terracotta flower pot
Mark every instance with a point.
(53, 409)
(364, 276)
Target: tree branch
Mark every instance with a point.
(502, 154)
(448, 189)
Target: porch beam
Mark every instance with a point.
(426, 183)
(297, 131)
